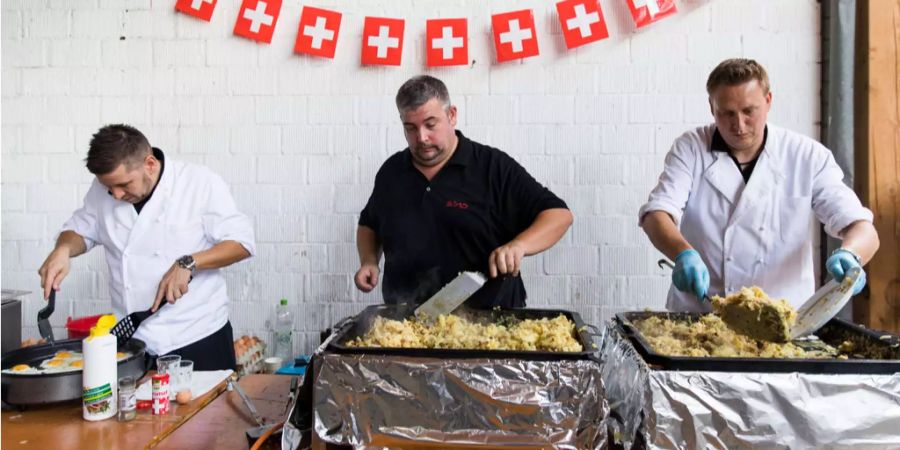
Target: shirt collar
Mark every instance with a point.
(462, 156)
(718, 143)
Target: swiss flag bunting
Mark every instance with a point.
(581, 21)
(318, 33)
(257, 18)
(201, 9)
(446, 42)
(382, 41)
(514, 35)
(646, 12)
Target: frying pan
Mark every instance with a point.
(36, 389)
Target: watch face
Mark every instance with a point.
(186, 261)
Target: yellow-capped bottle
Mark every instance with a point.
(99, 388)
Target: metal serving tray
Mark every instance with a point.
(886, 347)
(357, 326)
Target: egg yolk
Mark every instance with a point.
(64, 354)
(120, 355)
(55, 362)
(77, 364)
(20, 367)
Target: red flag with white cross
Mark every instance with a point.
(514, 35)
(646, 12)
(257, 18)
(318, 33)
(446, 42)
(382, 41)
(201, 9)
(581, 21)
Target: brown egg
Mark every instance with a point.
(183, 397)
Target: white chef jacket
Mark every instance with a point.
(758, 233)
(191, 210)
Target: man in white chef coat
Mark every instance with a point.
(735, 201)
(167, 228)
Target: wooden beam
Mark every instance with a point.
(878, 155)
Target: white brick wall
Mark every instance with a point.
(299, 139)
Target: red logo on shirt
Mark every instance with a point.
(457, 204)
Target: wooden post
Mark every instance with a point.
(878, 154)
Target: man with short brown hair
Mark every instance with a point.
(164, 224)
(447, 204)
(734, 204)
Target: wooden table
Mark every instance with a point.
(224, 422)
(212, 421)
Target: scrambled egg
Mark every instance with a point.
(709, 336)
(454, 332)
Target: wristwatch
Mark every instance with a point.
(851, 252)
(186, 262)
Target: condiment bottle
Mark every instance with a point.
(99, 387)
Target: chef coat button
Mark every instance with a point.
(760, 261)
(762, 228)
(428, 189)
(156, 253)
(728, 259)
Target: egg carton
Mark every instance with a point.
(249, 352)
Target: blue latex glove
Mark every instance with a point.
(690, 274)
(841, 262)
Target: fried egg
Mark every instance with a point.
(122, 355)
(54, 365)
(22, 369)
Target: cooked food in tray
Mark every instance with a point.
(751, 312)
(710, 337)
(455, 332)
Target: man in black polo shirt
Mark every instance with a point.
(447, 204)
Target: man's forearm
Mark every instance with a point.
(861, 238)
(660, 228)
(223, 254)
(547, 229)
(368, 246)
(71, 242)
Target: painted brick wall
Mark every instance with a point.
(300, 139)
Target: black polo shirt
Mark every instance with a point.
(718, 144)
(431, 231)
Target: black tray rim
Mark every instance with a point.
(764, 365)
(335, 345)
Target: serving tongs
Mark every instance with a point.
(43, 318)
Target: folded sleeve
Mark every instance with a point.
(834, 203)
(675, 183)
(85, 220)
(221, 219)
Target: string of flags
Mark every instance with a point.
(514, 33)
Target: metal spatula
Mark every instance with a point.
(43, 318)
(452, 295)
(824, 305)
(124, 330)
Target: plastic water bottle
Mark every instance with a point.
(284, 333)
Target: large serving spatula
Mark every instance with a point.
(824, 305)
(43, 318)
(124, 330)
(452, 295)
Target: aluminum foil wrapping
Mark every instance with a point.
(700, 409)
(388, 401)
